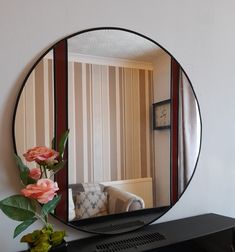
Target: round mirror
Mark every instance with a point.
(135, 127)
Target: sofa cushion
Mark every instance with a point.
(90, 204)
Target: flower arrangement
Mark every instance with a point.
(39, 196)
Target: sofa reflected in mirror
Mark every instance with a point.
(91, 200)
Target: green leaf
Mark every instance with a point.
(43, 238)
(20, 164)
(31, 237)
(47, 230)
(41, 247)
(57, 238)
(26, 180)
(62, 143)
(20, 228)
(24, 171)
(24, 177)
(18, 207)
(55, 168)
(50, 206)
(38, 241)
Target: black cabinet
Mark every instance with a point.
(206, 233)
(203, 233)
(217, 242)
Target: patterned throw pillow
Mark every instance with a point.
(91, 204)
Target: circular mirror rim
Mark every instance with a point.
(125, 214)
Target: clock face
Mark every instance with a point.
(162, 115)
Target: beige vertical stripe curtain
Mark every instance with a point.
(34, 122)
(110, 122)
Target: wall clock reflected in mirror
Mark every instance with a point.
(114, 89)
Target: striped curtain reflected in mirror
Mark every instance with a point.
(110, 122)
(189, 132)
(34, 122)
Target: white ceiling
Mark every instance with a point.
(114, 44)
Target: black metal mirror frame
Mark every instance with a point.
(98, 225)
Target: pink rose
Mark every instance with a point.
(41, 154)
(43, 191)
(35, 173)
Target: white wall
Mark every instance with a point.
(162, 91)
(199, 34)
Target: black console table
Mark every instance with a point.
(206, 233)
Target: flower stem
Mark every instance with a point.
(40, 217)
(43, 218)
(41, 171)
(46, 218)
(45, 171)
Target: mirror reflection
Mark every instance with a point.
(34, 118)
(117, 85)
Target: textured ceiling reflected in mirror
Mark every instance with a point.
(135, 128)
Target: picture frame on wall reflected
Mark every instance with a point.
(162, 115)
